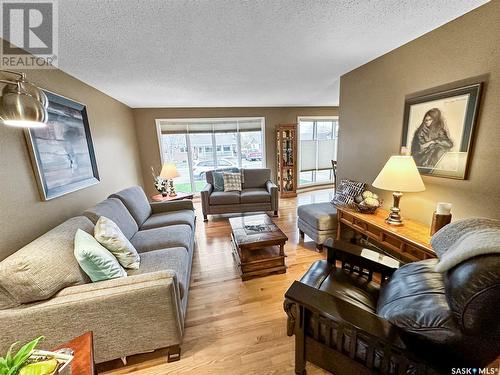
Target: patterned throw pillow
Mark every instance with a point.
(347, 191)
(232, 181)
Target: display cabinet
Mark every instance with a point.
(286, 142)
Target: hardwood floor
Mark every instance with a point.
(234, 327)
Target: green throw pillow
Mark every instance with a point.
(95, 260)
(218, 181)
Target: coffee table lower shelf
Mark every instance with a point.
(264, 261)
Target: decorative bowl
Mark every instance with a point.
(365, 209)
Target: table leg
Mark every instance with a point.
(339, 227)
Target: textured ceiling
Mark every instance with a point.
(221, 53)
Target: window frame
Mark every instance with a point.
(262, 119)
(315, 130)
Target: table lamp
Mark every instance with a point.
(169, 172)
(400, 174)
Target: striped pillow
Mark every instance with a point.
(232, 181)
(347, 191)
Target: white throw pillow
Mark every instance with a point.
(111, 237)
(232, 181)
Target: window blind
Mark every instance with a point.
(317, 153)
(216, 126)
(327, 151)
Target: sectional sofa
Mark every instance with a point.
(43, 291)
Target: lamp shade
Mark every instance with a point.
(169, 171)
(27, 88)
(23, 110)
(400, 173)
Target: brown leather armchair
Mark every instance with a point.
(354, 315)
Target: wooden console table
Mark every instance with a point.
(409, 242)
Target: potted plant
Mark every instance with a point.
(28, 361)
(12, 364)
(22, 363)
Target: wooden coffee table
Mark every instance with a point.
(258, 246)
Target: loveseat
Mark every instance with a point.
(258, 194)
(43, 291)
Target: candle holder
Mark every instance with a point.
(439, 221)
(441, 217)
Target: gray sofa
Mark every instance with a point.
(258, 194)
(43, 291)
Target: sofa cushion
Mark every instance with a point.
(176, 259)
(136, 202)
(322, 216)
(414, 299)
(255, 195)
(43, 267)
(255, 178)
(114, 209)
(225, 197)
(164, 219)
(97, 262)
(348, 287)
(162, 238)
(111, 237)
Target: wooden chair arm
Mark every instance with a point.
(345, 313)
(308, 307)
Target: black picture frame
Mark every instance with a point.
(62, 153)
(439, 128)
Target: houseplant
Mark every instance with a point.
(20, 363)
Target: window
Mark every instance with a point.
(199, 145)
(317, 149)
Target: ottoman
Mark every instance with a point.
(318, 221)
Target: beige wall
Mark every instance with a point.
(24, 216)
(148, 139)
(371, 111)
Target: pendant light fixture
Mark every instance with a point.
(22, 104)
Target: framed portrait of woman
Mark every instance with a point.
(438, 130)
